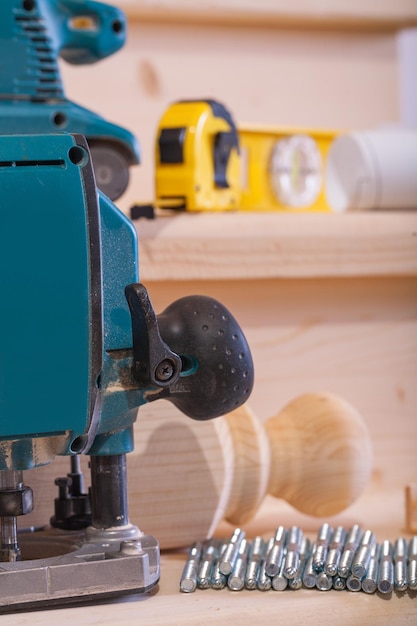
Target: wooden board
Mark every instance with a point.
(169, 607)
(280, 245)
(345, 14)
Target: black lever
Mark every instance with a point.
(155, 364)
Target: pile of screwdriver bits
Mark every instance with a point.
(337, 559)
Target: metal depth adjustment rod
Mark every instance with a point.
(82, 349)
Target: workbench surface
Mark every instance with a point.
(382, 512)
(327, 302)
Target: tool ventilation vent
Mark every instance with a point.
(41, 80)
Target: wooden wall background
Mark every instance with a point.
(330, 64)
(327, 302)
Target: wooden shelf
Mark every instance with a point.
(344, 14)
(277, 245)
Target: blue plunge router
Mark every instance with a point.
(81, 349)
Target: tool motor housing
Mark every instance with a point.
(81, 350)
(67, 253)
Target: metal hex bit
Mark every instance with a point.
(309, 574)
(208, 558)
(400, 565)
(218, 580)
(386, 568)
(229, 557)
(255, 556)
(339, 583)
(353, 583)
(322, 546)
(296, 582)
(188, 581)
(279, 582)
(349, 551)
(335, 551)
(264, 582)
(412, 564)
(324, 582)
(363, 555)
(236, 580)
(370, 580)
(275, 555)
(292, 557)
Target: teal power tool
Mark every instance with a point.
(81, 349)
(33, 35)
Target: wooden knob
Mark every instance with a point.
(319, 458)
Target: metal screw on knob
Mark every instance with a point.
(164, 371)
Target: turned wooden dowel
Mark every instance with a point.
(316, 454)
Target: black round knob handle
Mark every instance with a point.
(217, 368)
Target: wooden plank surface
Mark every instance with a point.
(278, 245)
(169, 607)
(345, 14)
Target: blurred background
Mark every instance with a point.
(334, 64)
(322, 323)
